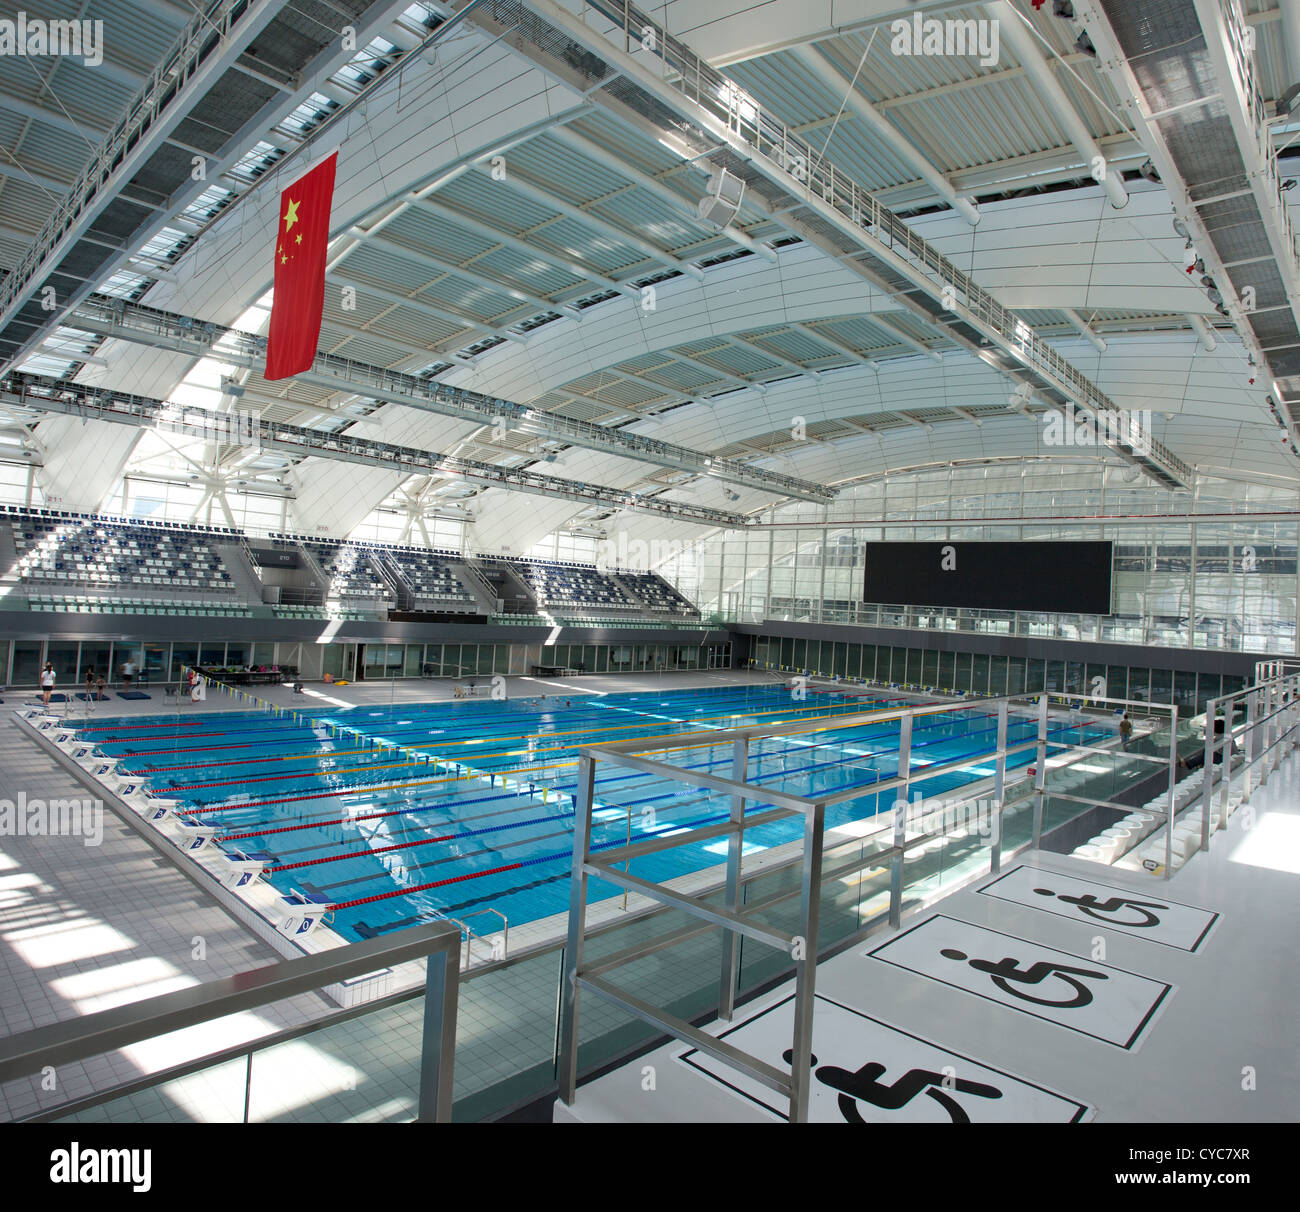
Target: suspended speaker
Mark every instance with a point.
(722, 201)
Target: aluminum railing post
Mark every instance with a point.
(735, 850)
(1248, 769)
(1274, 724)
(1207, 797)
(999, 784)
(568, 1062)
(900, 821)
(805, 970)
(1040, 772)
(1172, 799)
(438, 1044)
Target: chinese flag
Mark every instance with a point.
(300, 242)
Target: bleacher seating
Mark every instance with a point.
(349, 572)
(576, 589)
(93, 556)
(96, 563)
(430, 579)
(657, 594)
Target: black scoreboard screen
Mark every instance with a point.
(1062, 578)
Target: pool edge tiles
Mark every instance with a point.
(249, 905)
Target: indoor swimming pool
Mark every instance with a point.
(399, 814)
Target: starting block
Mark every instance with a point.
(193, 838)
(158, 810)
(303, 913)
(242, 869)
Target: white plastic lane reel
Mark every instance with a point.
(240, 869)
(303, 912)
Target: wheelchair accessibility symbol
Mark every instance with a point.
(864, 1084)
(1006, 974)
(1096, 999)
(1105, 911)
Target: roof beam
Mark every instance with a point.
(521, 183)
(1085, 329)
(184, 334)
(593, 151)
(724, 375)
(833, 342)
(43, 394)
(1026, 48)
(468, 323)
(465, 271)
(902, 337)
(578, 269)
(884, 130)
(1201, 327)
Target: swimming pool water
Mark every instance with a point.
(451, 808)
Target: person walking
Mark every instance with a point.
(47, 683)
(1125, 730)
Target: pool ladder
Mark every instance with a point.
(470, 934)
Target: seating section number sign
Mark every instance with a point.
(1096, 999)
(1144, 914)
(864, 1071)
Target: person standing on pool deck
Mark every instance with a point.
(128, 672)
(90, 683)
(47, 683)
(1125, 730)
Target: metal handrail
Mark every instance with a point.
(78, 1039)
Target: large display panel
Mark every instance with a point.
(1057, 577)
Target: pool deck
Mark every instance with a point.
(1201, 1030)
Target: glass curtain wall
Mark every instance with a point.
(1202, 578)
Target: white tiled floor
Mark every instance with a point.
(1221, 1048)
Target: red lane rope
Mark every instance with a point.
(287, 757)
(141, 727)
(293, 774)
(455, 879)
(369, 816)
(315, 795)
(362, 853)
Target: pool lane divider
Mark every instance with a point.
(364, 738)
(461, 772)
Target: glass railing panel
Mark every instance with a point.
(362, 1070)
(682, 979)
(505, 1034)
(211, 1095)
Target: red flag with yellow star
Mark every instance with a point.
(300, 243)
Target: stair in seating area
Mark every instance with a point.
(248, 585)
(630, 593)
(485, 597)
